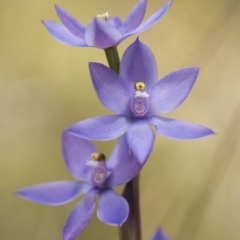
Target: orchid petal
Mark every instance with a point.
(115, 22)
(117, 153)
(76, 152)
(140, 139)
(54, 193)
(101, 34)
(63, 35)
(101, 128)
(110, 90)
(135, 17)
(124, 165)
(177, 129)
(138, 64)
(172, 90)
(154, 18)
(159, 235)
(71, 23)
(113, 209)
(79, 217)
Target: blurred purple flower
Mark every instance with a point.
(98, 178)
(159, 235)
(137, 96)
(102, 32)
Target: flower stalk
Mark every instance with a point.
(113, 58)
(131, 229)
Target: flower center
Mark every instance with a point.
(140, 100)
(103, 16)
(98, 169)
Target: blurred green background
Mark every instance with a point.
(190, 188)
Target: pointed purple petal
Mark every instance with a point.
(79, 217)
(154, 18)
(140, 139)
(101, 128)
(63, 35)
(177, 129)
(71, 23)
(101, 34)
(115, 22)
(54, 193)
(110, 90)
(159, 235)
(123, 164)
(135, 17)
(138, 64)
(113, 209)
(172, 90)
(117, 152)
(76, 152)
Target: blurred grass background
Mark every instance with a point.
(190, 188)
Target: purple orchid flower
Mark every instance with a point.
(102, 32)
(84, 163)
(159, 235)
(137, 96)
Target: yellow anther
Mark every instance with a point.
(103, 16)
(98, 156)
(140, 86)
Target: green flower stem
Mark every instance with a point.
(131, 229)
(113, 58)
